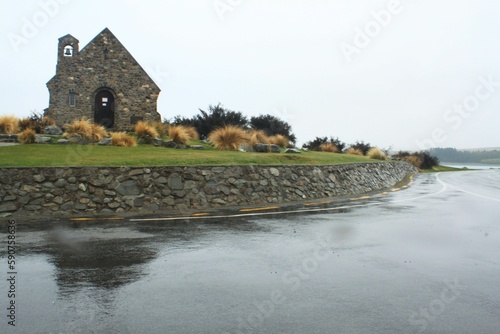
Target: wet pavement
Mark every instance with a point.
(424, 259)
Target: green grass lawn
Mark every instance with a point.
(44, 155)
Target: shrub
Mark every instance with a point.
(178, 134)
(258, 136)
(415, 160)
(191, 131)
(354, 151)
(228, 138)
(145, 132)
(362, 146)
(161, 128)
(122, 139)
(98, 132)
(272, 126)
(280, 140)
(315, 144)
(36, 121)
(329, 147)
(27, 136)
(86, 129)
(81, 127)
(428, 160)
(9, 125)
(375, 153)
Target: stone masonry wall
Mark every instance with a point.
(66, 191)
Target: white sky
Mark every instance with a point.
(284, 57)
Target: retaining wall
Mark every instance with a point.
(67, 191)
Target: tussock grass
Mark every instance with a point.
(280, 140)
(27, 136)
(192, 132)
(258, 137)
(376, 153)
(145, 131)
(98, 132)
(122, 139)
(161, 128)
(329, 147)
(86, 129)
(178, 134)
(354, 151)
(9, 125)
(415, 160)
(228, 138)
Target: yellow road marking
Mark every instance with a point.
(362, 197)
(317, 203)
(395, 189)
(201, 214)
(260, 209)
(88, 219)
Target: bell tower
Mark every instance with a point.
(67, 48)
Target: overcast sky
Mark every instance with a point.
(408, 74)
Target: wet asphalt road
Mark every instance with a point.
(425, 259)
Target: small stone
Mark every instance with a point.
(42, 139)
(169, 144)
(60, 183)
(197, 147)
(53, 130)
(105, 142)
(114, 205)
(82, 187)
(219, 201)
(72, 179)
(293, 150)
(9, 198)
(274, 171)
(63, 141)
(38, 178)
(8, 207)
(58, 200)
(175, 182)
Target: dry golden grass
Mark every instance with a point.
(354, 151)
(98, 132)
(414, 160)
(27, 136)
(144, 130)
(280, 140)
(161, 128)
(258, 137)
(86, 129)
(329, 147)
(122, 139)
(81, 127)
(178, 134)
(375, 153)
(47, 121)
(9, 125)
(192, 132)
(228, 138)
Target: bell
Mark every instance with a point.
(67, 52)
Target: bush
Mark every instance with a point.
(280, 140)
(228, 138)
(258, 137)
(122, 139)
(329, 147)
(316, 144)
(161, 128)
(36, 121)
(362, 146)
(27, 136)
(98, 132)
(178, 134)
(422, 159)
(191, 131)
(272, 126)
(354, 151)
(375, 153)
(145, 132)
(86, 129)
(9, 125)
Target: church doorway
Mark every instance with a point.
(104, 112)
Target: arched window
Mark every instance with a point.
(72, 98)
(68, 51)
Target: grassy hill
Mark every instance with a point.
(43, 155)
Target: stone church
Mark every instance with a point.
(102, 82)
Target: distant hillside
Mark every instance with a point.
(484, 156)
